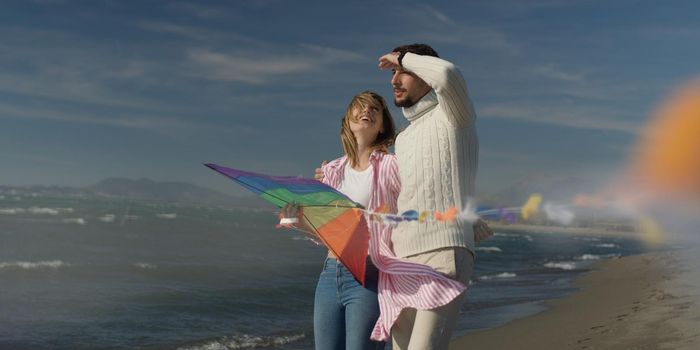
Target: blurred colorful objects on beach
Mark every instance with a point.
(531, 206)
(660, 185)
(667, 159)
(558, 213)
(585, 200)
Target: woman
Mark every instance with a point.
(344, 311)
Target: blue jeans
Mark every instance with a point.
(344, 311)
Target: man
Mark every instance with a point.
(437, 158)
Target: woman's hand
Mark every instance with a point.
(318, 172)
(290, 215)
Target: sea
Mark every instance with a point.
(81, 273)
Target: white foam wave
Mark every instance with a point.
(108, 218)
(79, 221)
(500, 275)
(12, 211)
(564, 265)
(305, 238)
(28, 265)
(168, 216)
(511, 235)
(49, 211)
(146, 266)
(35, 211)
(607, 245)
(597, 257)
(245, 342)
(489, 249)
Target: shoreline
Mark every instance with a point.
(635, 302)
(563, 229)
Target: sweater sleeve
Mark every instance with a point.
(449, 85)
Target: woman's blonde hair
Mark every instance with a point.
(384, 139)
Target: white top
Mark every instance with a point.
(357, 184)
(437, 156)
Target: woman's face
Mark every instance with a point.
(367, 121)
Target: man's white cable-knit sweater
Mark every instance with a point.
(437, 156)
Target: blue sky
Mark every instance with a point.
(96, 89)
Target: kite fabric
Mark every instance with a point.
(338, 221)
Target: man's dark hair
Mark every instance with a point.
(418, 49)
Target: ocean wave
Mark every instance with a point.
(36, 211)
(169, 216)
(564, 265)
(306, 238)
(507, 235)
(108, 218)
(146, 266)
(597, 256)
(589, 239)
(50, 211)
(12, 211)
(79, 221)
(500, 275)
(244, 342)
(28, 265)
(514, 235)
(498, 234)
(607, 245)
(489, 249)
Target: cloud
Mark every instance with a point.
(200, 34)
(82, 117)
(261, 68)
(521, 9)
(199, 10)
(180, 30)
(332, 55)
(439, 16)
(581, 118)
(230, 67)
(552, 71)
(434, 26)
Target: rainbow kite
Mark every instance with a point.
(338, 222)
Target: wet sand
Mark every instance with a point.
(649, 301)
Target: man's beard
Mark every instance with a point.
(406, 102)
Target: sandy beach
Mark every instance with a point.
(649, 301)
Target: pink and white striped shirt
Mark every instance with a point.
(402, 284)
